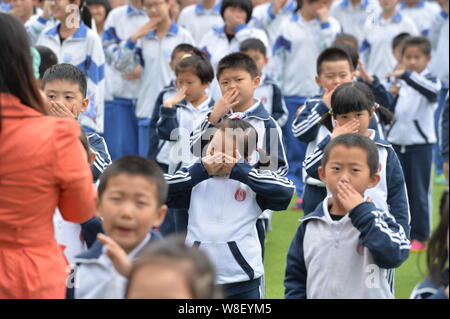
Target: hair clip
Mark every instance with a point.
(187, 55)
(330, 111)
(376, 106)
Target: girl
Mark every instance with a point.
(352, 107)
(74, 42)
(99, 10)
(224, 225)
(181, 114)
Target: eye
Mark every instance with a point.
(51, 96)
(356, 170)
(69, 97)
(141, 204)
(335, 168)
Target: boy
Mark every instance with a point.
(199, 18)
(359, 242)
(268, 91)
(131, 198)
(121, 127)
(299, 43)
(151, 46)
(413, 133)
(376, 47)
(65, 87)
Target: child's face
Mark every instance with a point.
(129, 208)
(334, 73)
(348, 165)
(363, 117)
(22, 8)
(98, 13)
(388, 5)
(242, 81)
(398, 53)
(415, 60)
(67, 93)
(159, 282)
(156, 8)
(228, 141)
(260, 59)
(234, 16)
(195, 88)
(311, 7)
(58, 8)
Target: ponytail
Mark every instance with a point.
(385, 116)
(85, 14)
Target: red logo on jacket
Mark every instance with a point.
(240, 195)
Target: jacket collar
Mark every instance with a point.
(80, 34)
(376, 138)
(347, 3)
(173, 31)
(131, 11)
(199, 9)
(419, 4)
(397, 18)
(207, 105)
(256, 111)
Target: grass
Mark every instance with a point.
(284, 225)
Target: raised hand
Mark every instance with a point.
(348, 196)
(213, 163)
(323, 14)
(351, 126)
(364, 74)
(327, 97)
(229, 100)
(177, 98)
(145, 28)
(118, 256)
(60, 110)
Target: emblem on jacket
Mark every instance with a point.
(240, 195)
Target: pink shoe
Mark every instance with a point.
(417, 246)
(298, 205)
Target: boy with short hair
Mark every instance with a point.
(65, 87)
(347, 230)
(131, 201)
(413, 133)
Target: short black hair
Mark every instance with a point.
(421, 42)
(238, 60)
(197, 63)
(333, 55)
(104, 3)
(399, 39)
(347, 39)
(352, 97)
(355, 140)
(136, 166)
(48, 59)
(245, 5)
(66, 72)
(351, 51)
(183, 47)
(253, 44)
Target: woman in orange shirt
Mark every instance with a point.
(42, 166)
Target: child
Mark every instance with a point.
(413, 133)
(219, 42)
(48, 59)
(422, 12)
(348, 246)
(354, 14)
(311, 27)
(352, 106)
(170, 269)
(378, 34)
(121, 125)
(199, 18)
(151, 46)
(23, 10)
(240, 193)
(397, 51)
(436, 285)
(131, 198)
(268, 91)
(65, 87)
(79, 46)
(99, 10)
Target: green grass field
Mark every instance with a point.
(284, 225)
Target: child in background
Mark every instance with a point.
(436, 285)
(79, 46)
(348, 230)
(397, 51)
(199, 18)
(151, 46)
(376, 48)
(311, 27)
(23, 10)
(121, 125)
(240, 193)
(131, 198)
(99, 11)
(421, 12)
(413, 133)
(48, 59)
(170, 269)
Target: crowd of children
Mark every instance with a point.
(201, 118)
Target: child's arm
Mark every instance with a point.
(279, 110)
(168, 120)
(328, 30)
(379, 231)
(35, 26)
(428, 86)
(382, 96)
(102, 158)
(296, 272)
(153, 131)
(273, 191)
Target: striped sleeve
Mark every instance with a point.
(312, 163)
(102, 158)
(110, 40)
(34, 27)
(381, 234)
(427, 86)
(279, 110)
(306, 126)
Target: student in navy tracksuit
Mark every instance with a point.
(348, 247)
(413, 133)
(237, 192)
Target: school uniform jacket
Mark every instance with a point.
(84, 50)
(349, 258)
(102, 160)
(439, 33)
(94, 275)
(270, 95)
(390, 194)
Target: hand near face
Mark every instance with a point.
(327, 97)
(351, 126)
(177, 98)
(213, 164)
(146, 28)
(233, 19)
(59, 109)
(364, 74)
(118, 256)
(348, 196)
(229, 100)
(323, 14)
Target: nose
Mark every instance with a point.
(126, 210)
(344, 177)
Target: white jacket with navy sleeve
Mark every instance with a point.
(270, 95)
(390, 194)
(439, 34)
(223, 211)
(414, 111)
(84, 50)
(352, 258)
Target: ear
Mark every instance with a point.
(256, 81)
(161, 214)
(322, 175)
(317, 78)
(374, 180)
(85, 105)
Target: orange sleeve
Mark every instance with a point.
(76, 191)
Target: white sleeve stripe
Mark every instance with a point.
(427, 84)
(398, 238)
(272, 182)
(303, 129)
(313, 159)
(305, 121)
(272, 176)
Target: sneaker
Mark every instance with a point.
(417, 246)
(298, 205)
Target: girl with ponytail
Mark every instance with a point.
(75, 43)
